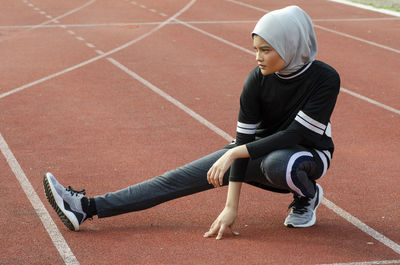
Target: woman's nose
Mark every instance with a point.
(258, 57)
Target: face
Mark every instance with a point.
(268, 59)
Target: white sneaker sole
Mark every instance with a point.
(68, 218)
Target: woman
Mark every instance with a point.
(283, 140)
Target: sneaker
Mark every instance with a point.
(65, 201)
(303, 210)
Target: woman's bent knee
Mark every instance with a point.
(288, 169)
(274, 168)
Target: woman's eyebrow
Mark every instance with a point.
(263, 47)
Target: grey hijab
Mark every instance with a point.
(290, 32)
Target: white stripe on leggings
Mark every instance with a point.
(324, 160)
(289, 180)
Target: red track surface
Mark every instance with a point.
(96, 127)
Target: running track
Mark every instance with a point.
(106, 94)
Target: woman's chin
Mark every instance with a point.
(265, 72)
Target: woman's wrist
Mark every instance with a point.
(232, 200)
(239, 152)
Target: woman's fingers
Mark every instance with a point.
(210, 176)
(208, 234)
(221, 179)
(214, 177)
(221, 230)
(219, 227)
(213, 229)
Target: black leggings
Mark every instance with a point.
(289, 170)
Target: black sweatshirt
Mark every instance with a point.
(278, 112)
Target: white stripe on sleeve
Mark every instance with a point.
(310, 123)
(247, 128)
(310, 120)
(309, 126)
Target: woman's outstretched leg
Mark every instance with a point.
(188, 179)
(74, 208)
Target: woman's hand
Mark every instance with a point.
(223, 222)
(215, 174)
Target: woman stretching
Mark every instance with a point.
(283, 138)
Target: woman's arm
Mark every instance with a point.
(215, 176)
(228, 215)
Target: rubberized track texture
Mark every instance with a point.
(105, 94)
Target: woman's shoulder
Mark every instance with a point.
(254, 77)
(324, 69)
(326, 76)
(255, 73)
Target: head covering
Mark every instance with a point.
(290, 32)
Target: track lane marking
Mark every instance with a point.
(362, 226)
(326, 29)
(369, 100)
(49, 21)
(192, 22)
(48, 223)
(101, 56)
(71, 32)
(367, 262)
(358, 39)
(367, 7)
(169, 98)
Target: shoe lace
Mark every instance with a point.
(75, 192)
(299, 204)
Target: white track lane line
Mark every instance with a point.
(371, 8)
(248, 5)
(358, 39)
(374, 102)
(362, 226)
(101, 56)
(172, 100)
(202, 22)
(330, 205)
(326, 29)
(52, 20)
(367, 262)
(51, 228)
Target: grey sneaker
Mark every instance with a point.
(303, 210)
(65, 201)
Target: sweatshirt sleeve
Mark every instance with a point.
(248, 121)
